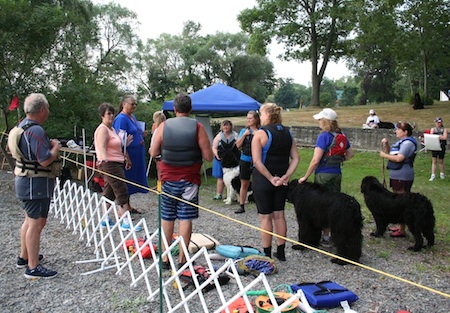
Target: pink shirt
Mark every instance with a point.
(113, 148)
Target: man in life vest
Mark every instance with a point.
(183, 144)
(37, 165)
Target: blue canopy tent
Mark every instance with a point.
(218, 98)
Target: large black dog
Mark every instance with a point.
(318, 208)
(412, 209)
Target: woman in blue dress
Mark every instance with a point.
(125, 121)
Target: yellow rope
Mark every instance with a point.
(273, 234)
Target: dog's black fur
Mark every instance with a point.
(412, 209)
(236, 183)
(318, 208)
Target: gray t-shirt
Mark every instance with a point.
(35, 145)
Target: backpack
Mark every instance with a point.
(334, 155)
(228, 152)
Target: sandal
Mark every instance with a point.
(394, 229)
(136, 211)
(398, 234)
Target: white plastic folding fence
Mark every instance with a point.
(83, 210)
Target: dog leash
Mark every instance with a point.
(383, 171)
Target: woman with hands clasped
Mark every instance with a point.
(275, 158)
(111, 160)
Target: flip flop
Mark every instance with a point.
(398, 234)
(136, 211)
(394, 229)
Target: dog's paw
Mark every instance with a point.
(416, 249)
(298, 247)
(227, 201)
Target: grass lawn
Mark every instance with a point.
(355, 116)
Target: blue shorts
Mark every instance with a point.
(172, 208)
(217, 170)
(36, 208)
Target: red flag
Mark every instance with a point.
(14, 103)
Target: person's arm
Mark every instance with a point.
(349, 153)
(204, 144)
(376, 121)
(54, 152)
(444, 135)
(317, 156)
(259, 141)
(155, 148)
(384, 153)
(215, 146)
(101, 143)
(295, 158)
(241, 138)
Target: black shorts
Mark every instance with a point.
(268, 198)
(439, 154)
(245, 170)
(36, 208)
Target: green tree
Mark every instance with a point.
(285, 96)
(32, 35)
(374, 51)
(425, 26)
(311, 30)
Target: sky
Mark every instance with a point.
(167, 16)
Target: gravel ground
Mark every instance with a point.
(107, 292)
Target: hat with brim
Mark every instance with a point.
(438, 120)
(328, 114)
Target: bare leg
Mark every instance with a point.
(220, 186)
(433, 166)
(23, 241)
(33, 239)
(243, 192)
(441, 165)
(167, 227)
(184, 230)
(266, 224)
(280, 226)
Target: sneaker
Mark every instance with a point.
(40, 272)
(217, 197)
(111, 223)
(442, 175)
(22, 263)
(433, 177)
(128, 227)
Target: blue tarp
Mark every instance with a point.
(218, 98)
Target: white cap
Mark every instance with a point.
(371, 111)
(328, 114)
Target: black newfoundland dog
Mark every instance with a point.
(318, 208)
(412, 209)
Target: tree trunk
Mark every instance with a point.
(425, 76)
